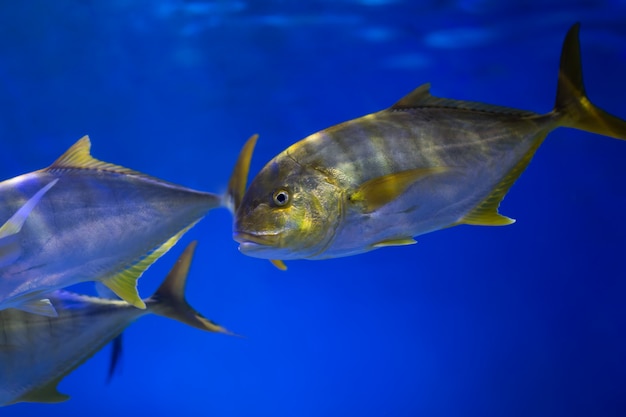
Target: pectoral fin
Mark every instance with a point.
(395, 242)
(10, 249)
(42, 307)
(377, 192)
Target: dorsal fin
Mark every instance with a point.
(239, 177)
(421, 98)
(78, 156)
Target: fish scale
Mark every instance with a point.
(426, 163)
(99, 222)
(36, 351)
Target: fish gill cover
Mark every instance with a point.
(524, 320)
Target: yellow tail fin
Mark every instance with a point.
(572, 104)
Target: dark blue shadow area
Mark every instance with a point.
(524, 320)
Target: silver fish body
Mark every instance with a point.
(37, 351)
(424, 164)
(99, 222)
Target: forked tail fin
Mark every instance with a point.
(169, 299)
(572, 105)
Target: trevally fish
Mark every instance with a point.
(82, 219)
(424, 164)
(36, 352)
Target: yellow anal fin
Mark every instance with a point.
(45, 394)
(395, 242)
(239, 177)
(380, 191)
(487, 218)
(124, 284)
(486, 213)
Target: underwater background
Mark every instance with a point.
(525, 320)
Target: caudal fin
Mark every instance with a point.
(169, 299)
(572, 105)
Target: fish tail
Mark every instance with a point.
(573, 107)
(169, 299)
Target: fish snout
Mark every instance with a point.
(257, 239)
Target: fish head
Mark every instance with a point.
(290, 211)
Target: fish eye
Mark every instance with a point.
(281, 197)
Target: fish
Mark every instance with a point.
(424, 164)
(98, 222)
(37, 352)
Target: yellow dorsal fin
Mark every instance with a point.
(379, 191)
(421, 97)
(486, 213)
(239, 177)
(78, 156)
(45, 394)
(124, 284)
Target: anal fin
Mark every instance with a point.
(486, 212)
(124, 284)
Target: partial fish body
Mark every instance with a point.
(95, 222)
(36, 352)
(424, 164)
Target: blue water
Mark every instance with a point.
(525, 320)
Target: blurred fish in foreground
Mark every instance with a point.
(82, 219)
(425, 164)
(36, 352)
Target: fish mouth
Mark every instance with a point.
(250, 240)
